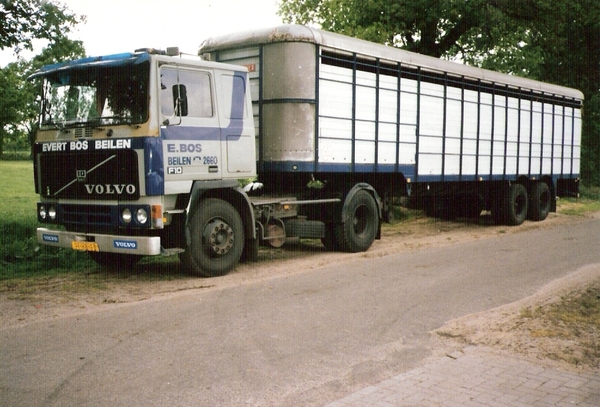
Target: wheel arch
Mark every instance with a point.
(230, 192)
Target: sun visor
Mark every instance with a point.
(115, 60)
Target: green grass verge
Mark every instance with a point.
(589, 201)
(21, 256)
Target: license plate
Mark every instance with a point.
(85, 246)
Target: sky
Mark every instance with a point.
(115, 26)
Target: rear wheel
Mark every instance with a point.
(511, 207)
(517, 205)
(360, 224)
(539, 201)
(216, 239)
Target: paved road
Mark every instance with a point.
(478, 376)
(304, 339)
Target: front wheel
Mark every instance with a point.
(360, 224)
(215, 240)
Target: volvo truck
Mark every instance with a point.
(141, 154)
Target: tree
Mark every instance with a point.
(19, 105)
(11, 103)
(20, 23)
(555, 41)
(430, 27)
(561, 46)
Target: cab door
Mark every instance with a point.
(189, 124)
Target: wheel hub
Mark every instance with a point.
(219, 237)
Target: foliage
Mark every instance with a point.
(20, 254)
(553, 41)
(431, 27)
(23, 21)
(47, 21)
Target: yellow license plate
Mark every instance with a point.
(85, 246)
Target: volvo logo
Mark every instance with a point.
(103, 189)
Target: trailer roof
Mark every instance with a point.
(299, 33)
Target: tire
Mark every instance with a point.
(115, 261)
(511, 206)
(540, 200)
(516, 205)
(360, 224)
(215, 239)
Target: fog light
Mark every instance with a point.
(126, 215)
(142, 216)
(52, 213)
(42, 212)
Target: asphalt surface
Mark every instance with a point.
(305, 339)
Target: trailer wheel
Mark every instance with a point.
(510, 207)
(516, 205)
(539, 201)
(359, 228)
(216, 239)
(115, 261)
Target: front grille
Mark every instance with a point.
(90, 175)
(83, 132)
(88, 218)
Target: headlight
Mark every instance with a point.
(52, 213)
(42, 212)
(126, 216)
(141, 216)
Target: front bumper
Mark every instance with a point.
(138, 245)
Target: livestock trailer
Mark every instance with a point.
(457, 138)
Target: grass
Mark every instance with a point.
(28, 269)
(20, 255)
(22, 258)
(576, 317)
(589, 201)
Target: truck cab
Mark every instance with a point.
(126, 141)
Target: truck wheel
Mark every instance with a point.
(359, 229)
(115, 261)
(216, 239)
(516, 205)
(539, 201)
(510, 207)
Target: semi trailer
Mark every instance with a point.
(141, 153)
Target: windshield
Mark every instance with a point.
(96, 95)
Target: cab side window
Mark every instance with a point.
(185, 93)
